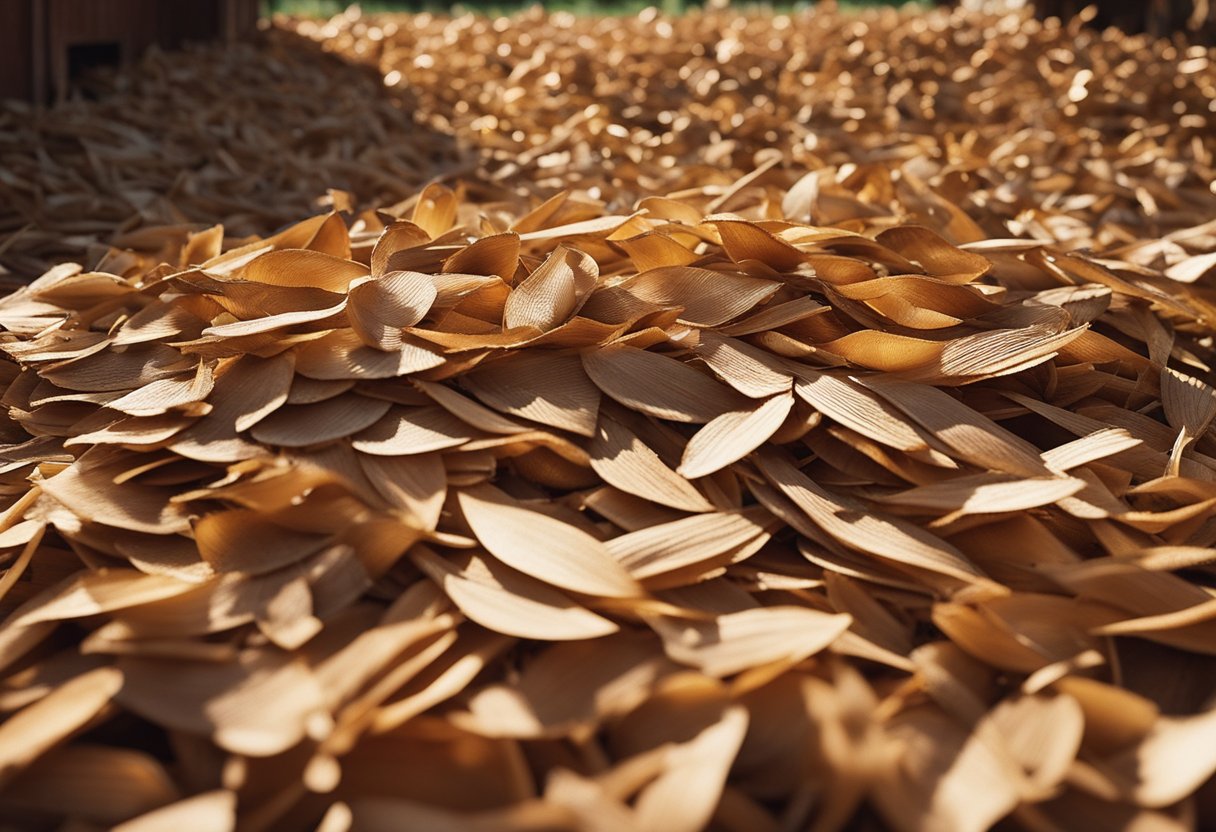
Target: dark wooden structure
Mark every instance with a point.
(1159, 18)
(45, 43)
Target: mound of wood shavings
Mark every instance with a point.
(637, 522)
(251, 135)
(769, 502)
(1057, 133)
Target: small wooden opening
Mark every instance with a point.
(83, 57)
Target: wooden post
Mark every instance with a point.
(231, 9)
(38, 47)
(19, 48)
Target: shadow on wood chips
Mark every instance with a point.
(253, 135)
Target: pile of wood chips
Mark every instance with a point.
(833, 450)
(253, 136)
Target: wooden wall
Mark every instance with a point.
(191, 20)
(36, 36)
(16, 42)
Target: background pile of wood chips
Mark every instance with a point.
(808, 430)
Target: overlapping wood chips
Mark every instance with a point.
(833, 451)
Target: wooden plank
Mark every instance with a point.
(16, 45)
(244, 18)
(190, 20)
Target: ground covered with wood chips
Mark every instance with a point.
(749, 423)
